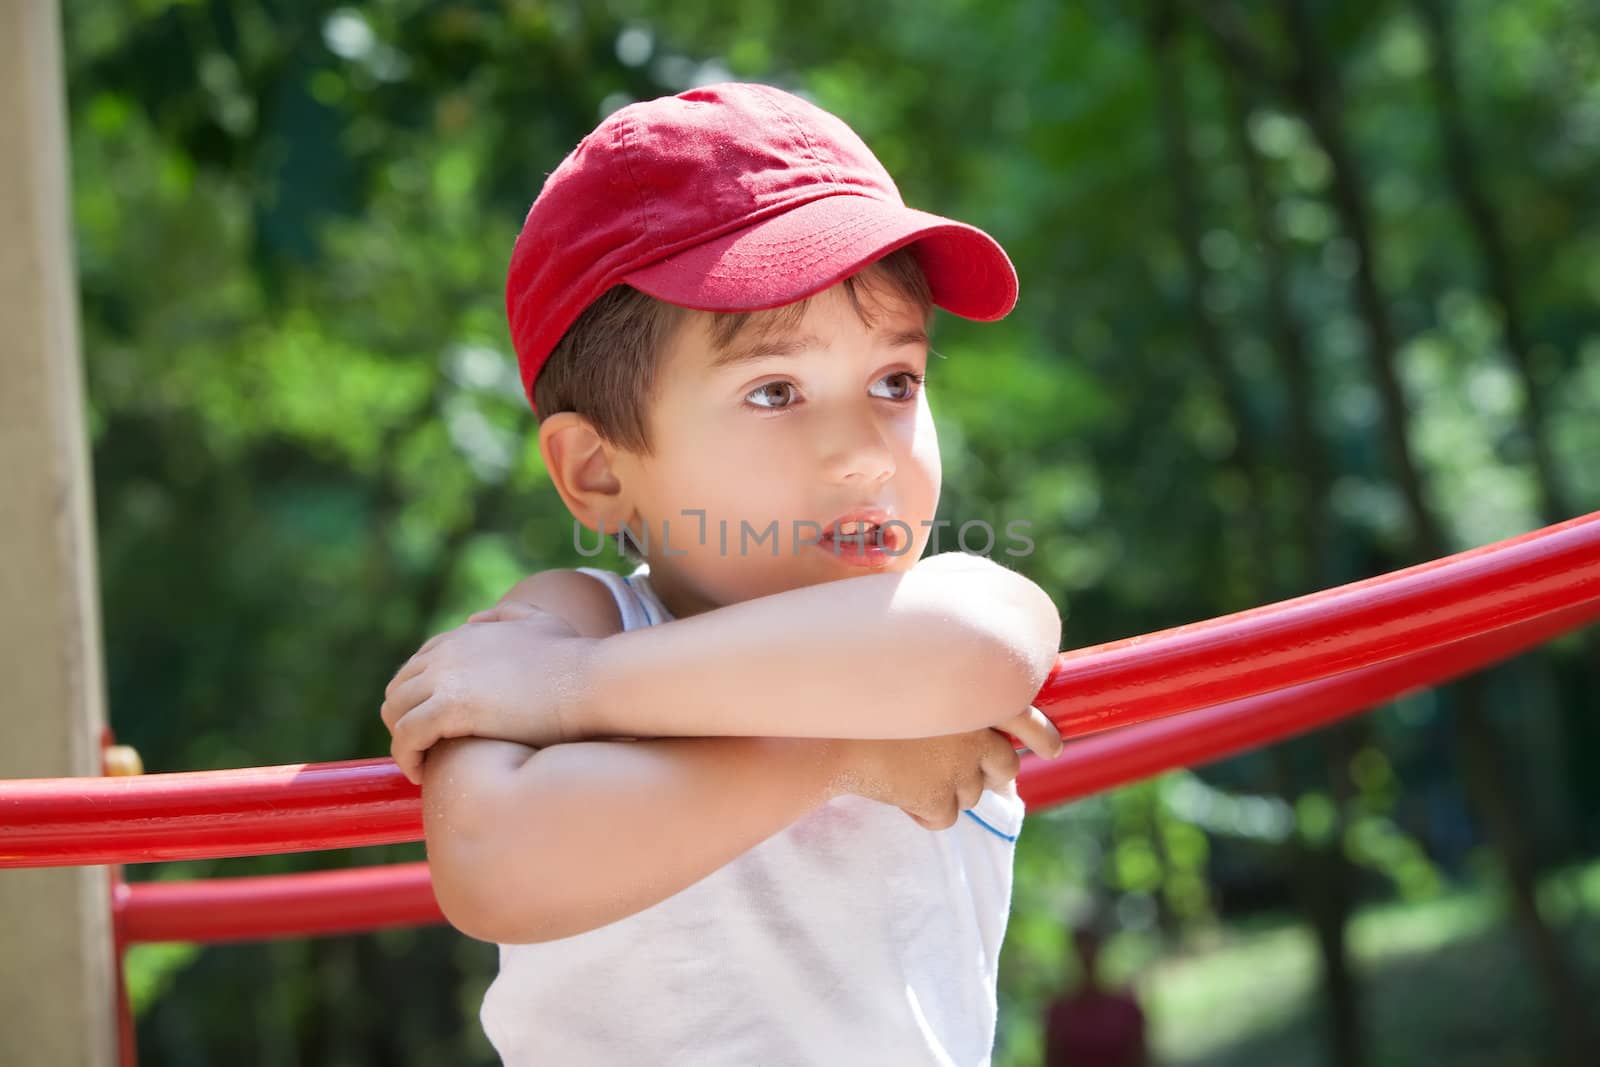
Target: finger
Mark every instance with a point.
(1000, 763)
(403, 754)
(406, 758)
(433, 641)
(510, 611)
(945, 815)
(969, 792)
(1035, 730)
(403, 698)
(413, 736)
(408, 670)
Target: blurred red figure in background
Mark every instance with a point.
(1094, 1026)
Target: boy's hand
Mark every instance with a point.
(511, 673)
(933, 779)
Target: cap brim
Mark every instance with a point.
(788, 257)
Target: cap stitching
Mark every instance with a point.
(821, 240)
(833, 178)
(625, 138)
(809, 253)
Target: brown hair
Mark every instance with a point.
(604, 367)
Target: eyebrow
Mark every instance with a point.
(787, 346)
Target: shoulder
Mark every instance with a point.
(581, 599)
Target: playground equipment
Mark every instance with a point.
(1180, 697)
(1279, 669)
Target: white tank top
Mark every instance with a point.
(854, 936)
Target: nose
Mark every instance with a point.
(856, 451)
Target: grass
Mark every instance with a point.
(1442, 981)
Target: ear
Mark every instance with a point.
(582, 467)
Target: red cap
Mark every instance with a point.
(732, 197)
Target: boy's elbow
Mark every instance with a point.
(1028, 646)
(1039, 638)
(464, 908)
(495, 871)
(1018, 637)
(477, 909)
(479, 854)
(494, 913)
(486, 900)
(462, 865)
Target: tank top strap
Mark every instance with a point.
(639, 582)
(636, 600)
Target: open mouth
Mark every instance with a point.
(859, 536)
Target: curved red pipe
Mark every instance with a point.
(48, 822)
(1297, 641)
(1133, 753)
(350, 901)
(1554, 572)
(283, 905)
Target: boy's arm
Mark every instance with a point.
(957, 643)
(531, 845)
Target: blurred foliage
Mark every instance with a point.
(311, 449)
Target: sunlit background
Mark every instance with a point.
(1309, 292)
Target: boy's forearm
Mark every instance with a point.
(957, 643)
(536, 847)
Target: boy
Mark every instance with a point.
(670, 797)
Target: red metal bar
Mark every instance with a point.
(202, 814)
(1133, 753)
(297, 905)
(284, 905)
(127, 1033)
(45, 822)
(1324, 634)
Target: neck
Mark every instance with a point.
(679, 598)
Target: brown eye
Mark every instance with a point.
(771, 395)
(908, 382)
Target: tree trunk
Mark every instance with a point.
(1315, 88)
(1324, 871)
(1324, 885)
(1494, 252)
(1319, 874)
(1499, 271)
(1246, 458)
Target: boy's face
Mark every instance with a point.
(797, 422)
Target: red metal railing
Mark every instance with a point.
(231, 909)
(1359, 625)
(1134, 753)
(1551, 574)
(1239, 681)
(47, 822)
(1181, 697)
(282, 905)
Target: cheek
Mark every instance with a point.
(735, 479)
(925, 450)
(929, 459)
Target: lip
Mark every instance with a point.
(848, 551)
